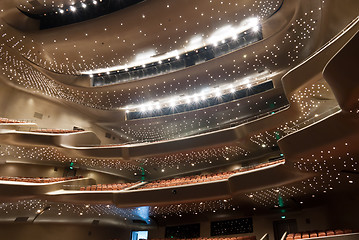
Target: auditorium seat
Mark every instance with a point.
(313, 234)
(38, 179)
(108, 187)
(5, 120)
(209, 238)
(298, 236)
(305, 235)
(180, 181)
(56, 131)
(338, 231)
(203, 178)
(290, 236)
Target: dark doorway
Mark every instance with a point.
(280, 227)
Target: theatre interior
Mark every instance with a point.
(179, 119)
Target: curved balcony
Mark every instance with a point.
(174, 61)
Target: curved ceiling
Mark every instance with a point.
(44, 66)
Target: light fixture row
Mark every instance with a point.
(219, 36)
(74, 8)
(204, 95)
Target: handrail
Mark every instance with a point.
(228, 125)
(310, 121)
(284, 236)
(265, 237)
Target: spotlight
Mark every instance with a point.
(188, 100)
(61, 11)
(255, 28)
(218, 93)
(173, 103)
(73, 9)
(94, 2)
(150, 107)
(83, 5)
(143, 108)
(195, 99)
(203, 96)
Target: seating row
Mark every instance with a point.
(203, 178)
(107, 187)
(38, 179)
(314, 234)
(211, 238)
(56, 131)
(177, 181)
(5, 120)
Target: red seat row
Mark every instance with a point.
(314, 234)
(38, 179)
(203, 178)
(107, 187)
(211, 238)
(56, 131)
(5, 120)
(177, 181)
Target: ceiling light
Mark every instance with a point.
(195, 99)
(172, 102)
(255, 28)
(73, 9)
(188, 100)
(150, 107)
(203, 96)
(143, 108)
